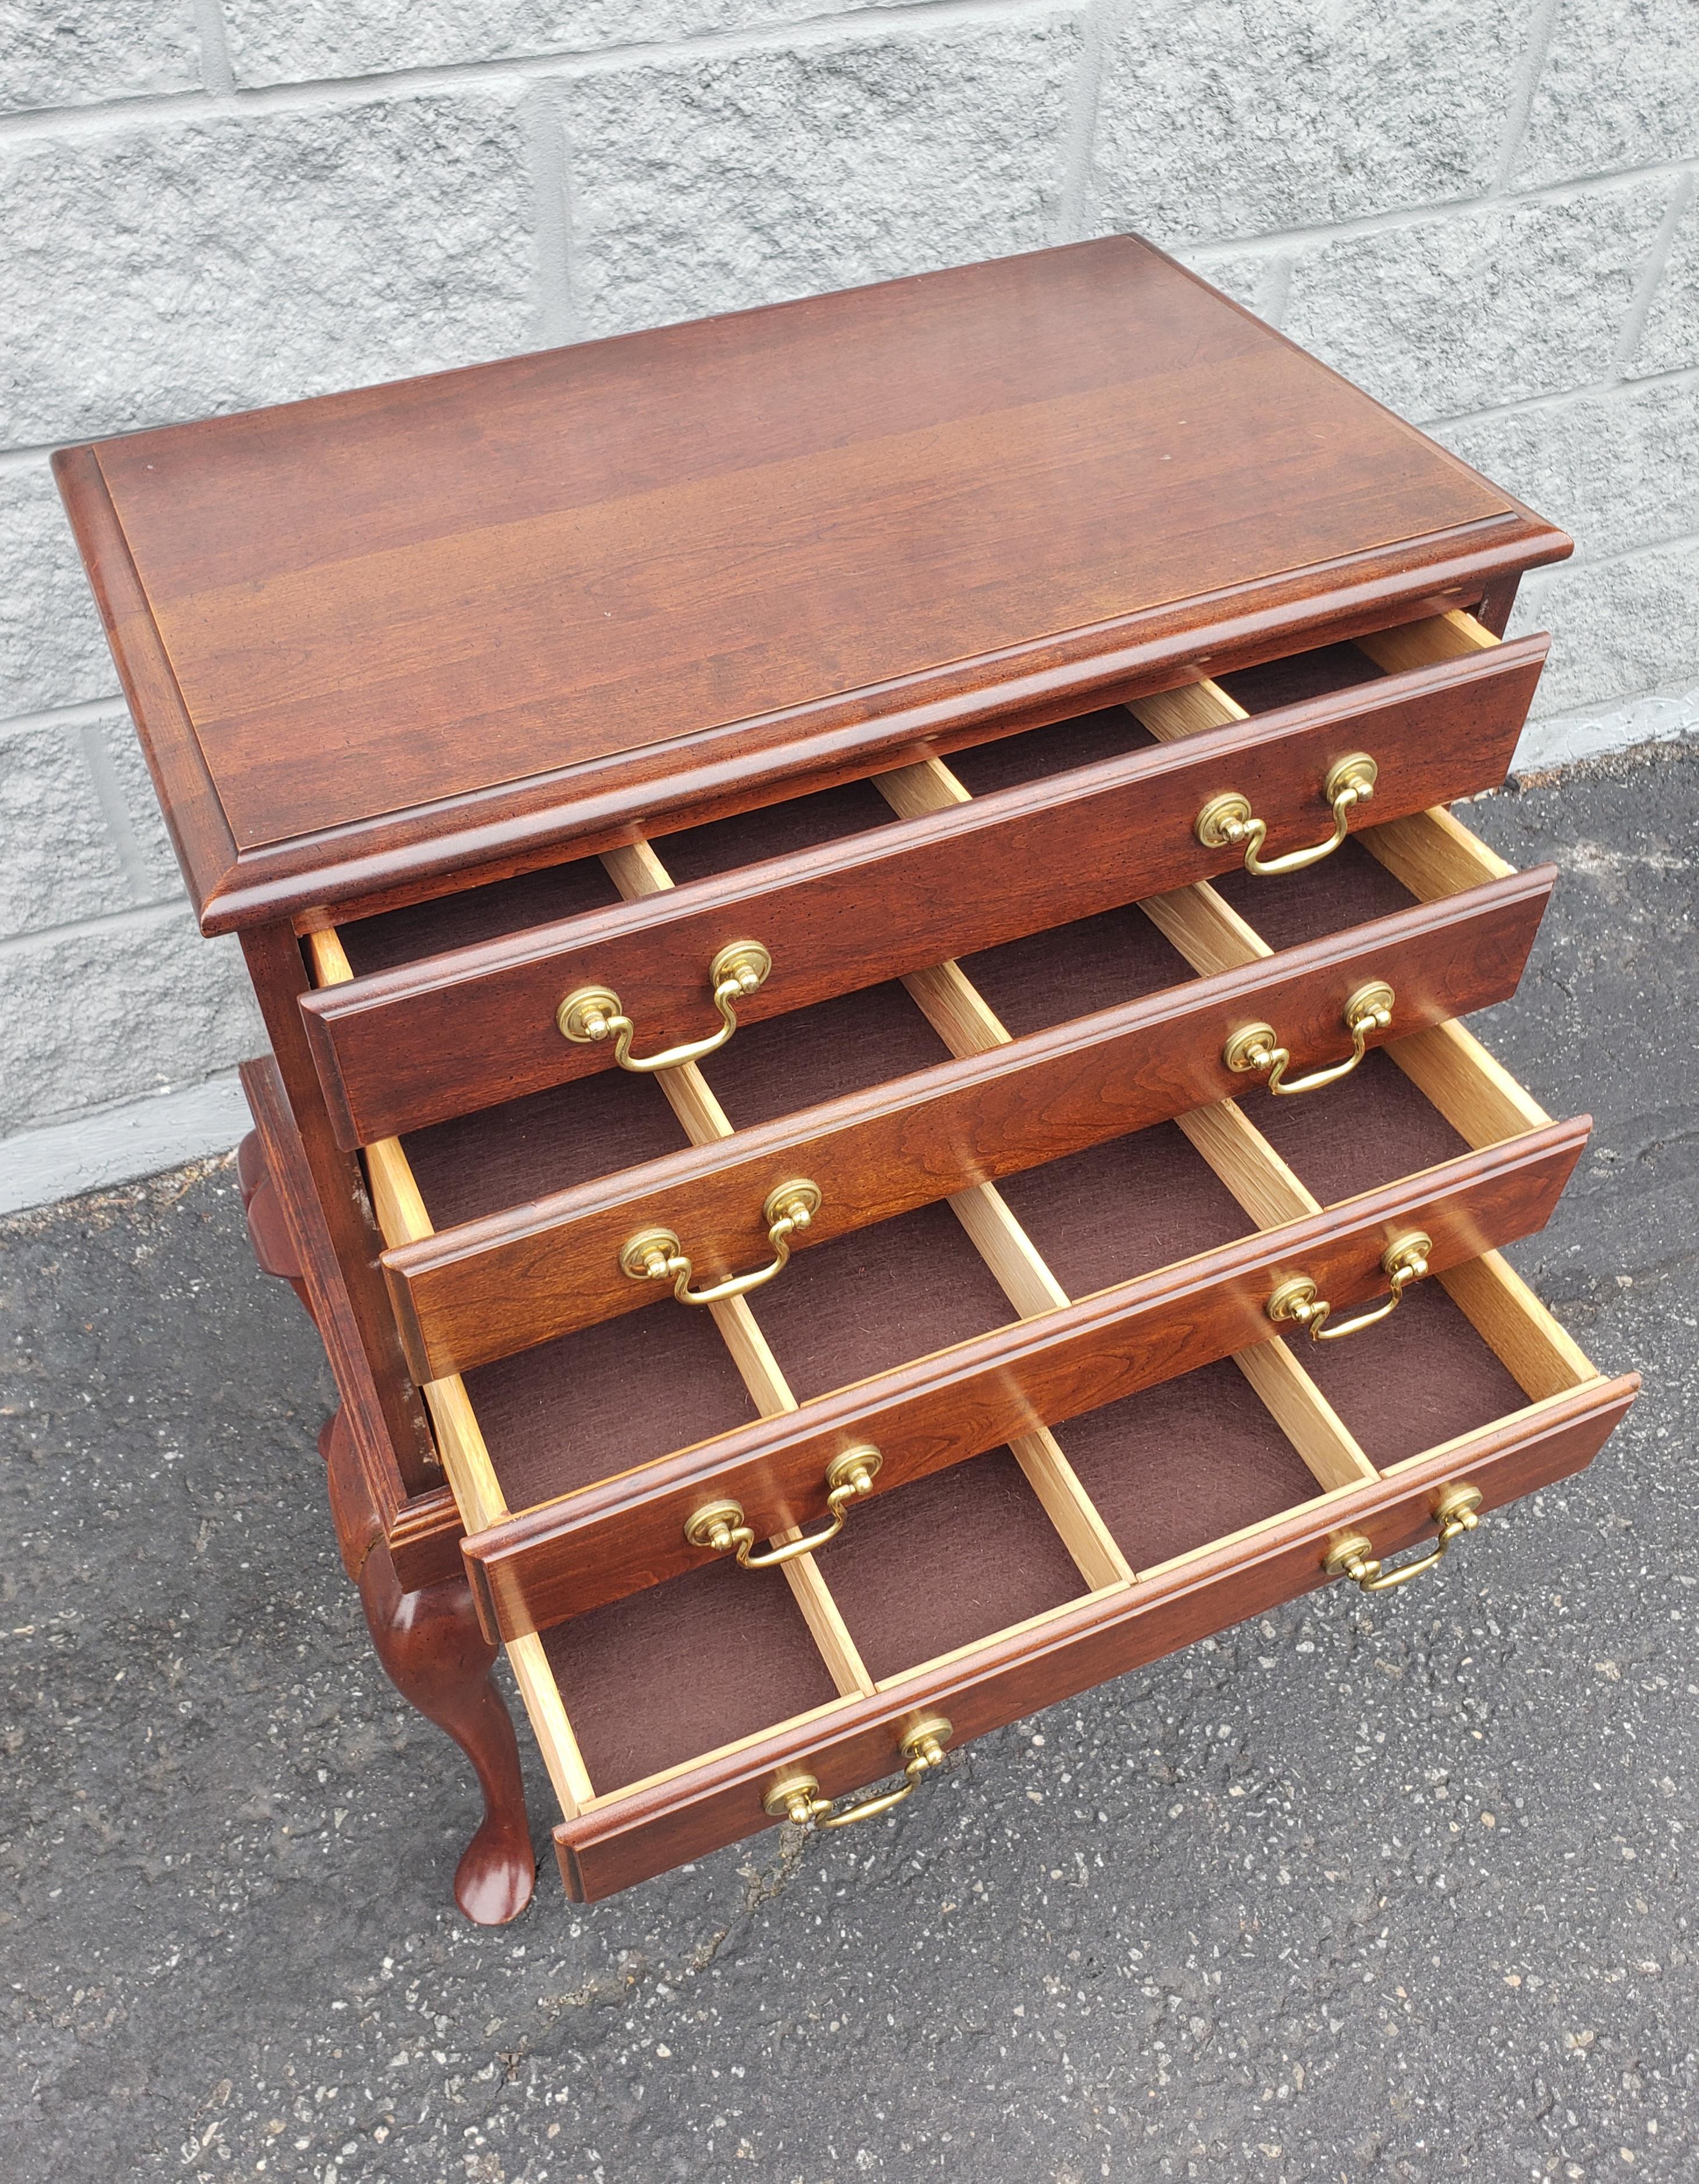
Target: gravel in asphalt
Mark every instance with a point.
(1360, 1890)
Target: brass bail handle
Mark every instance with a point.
(656, 1255)
(719, 1526)
(795, 1795)
(1352, 1553)
(1405, 1261)
(591, 1015)
(1225, 821)
(1253, 1047)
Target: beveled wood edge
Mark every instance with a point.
(1392, 1505)
(188, 801)
(714, 773)
(845, 1412)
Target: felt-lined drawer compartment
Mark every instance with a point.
(724, 1215)
(1217, 1516)
(596, 1542)
(460, 1003)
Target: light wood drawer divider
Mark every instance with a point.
(1431, 854)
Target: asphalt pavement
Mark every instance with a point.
(1365, 1890)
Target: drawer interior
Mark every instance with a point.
(1084, 1512)
(389, 938)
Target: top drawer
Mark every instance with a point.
(460, 1004)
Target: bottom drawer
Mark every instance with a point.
(696, 1711)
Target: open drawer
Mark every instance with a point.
(504, 990)
(1047, 1046)
(699, 1711)
(804, 1680)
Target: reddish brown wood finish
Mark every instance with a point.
(398, 1438)
(566, 1557)
(405, 1048)
(461, 621)
(630, 1838)
(433, 1650)
(492, 1286)
(426, 1633)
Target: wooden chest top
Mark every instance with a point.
(381, 637)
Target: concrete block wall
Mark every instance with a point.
(1485, 211)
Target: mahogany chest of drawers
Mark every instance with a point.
(863, 951)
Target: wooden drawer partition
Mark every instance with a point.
(614, 1833)
(474, 1024)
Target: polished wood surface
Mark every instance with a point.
(492, 1286)
(565, 1556)
(452, 622)
(424, 1633)
(412, 1045)
(625, 1839)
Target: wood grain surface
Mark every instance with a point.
(627, 1838)
(463, 620)
(475, 1025)
(545, 1564)
(492, 1286)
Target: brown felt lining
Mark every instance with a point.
(1347, 888)
(819, 1053)
(945, 1561)
(777, 830)
(548, 1141)
(1122, 1208)
(1094, 963)
(597, 1401)
(1184, 1462)
(843, 1311)
(1302, 675)
(1371, 1127)
(1422, 1377)
(1041, 752)
(682, 1667)
(483, 913)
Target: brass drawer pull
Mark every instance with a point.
(1405, 1259)
(720, 1526)
(795, 1793)
(593, 1013)
(1352, 1553)
(1226, 822)
(656, 1255)
(1253, 1047)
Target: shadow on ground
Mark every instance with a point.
(1363, 1891)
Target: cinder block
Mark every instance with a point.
(61, 862)
(1233, 120)
(1249, 276)
(117, 1012)
(163, 272)
(1620, 629)
(1619, 88)
(311, 39)
(51, 649)
(61, 55)
(735, 178)
(1669, 340)
(1615, 470)
(160, 876)
(1444, 316)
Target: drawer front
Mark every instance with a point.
(567, 1556)
(503, 1284)
(632, 1837)
(402, 1049)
